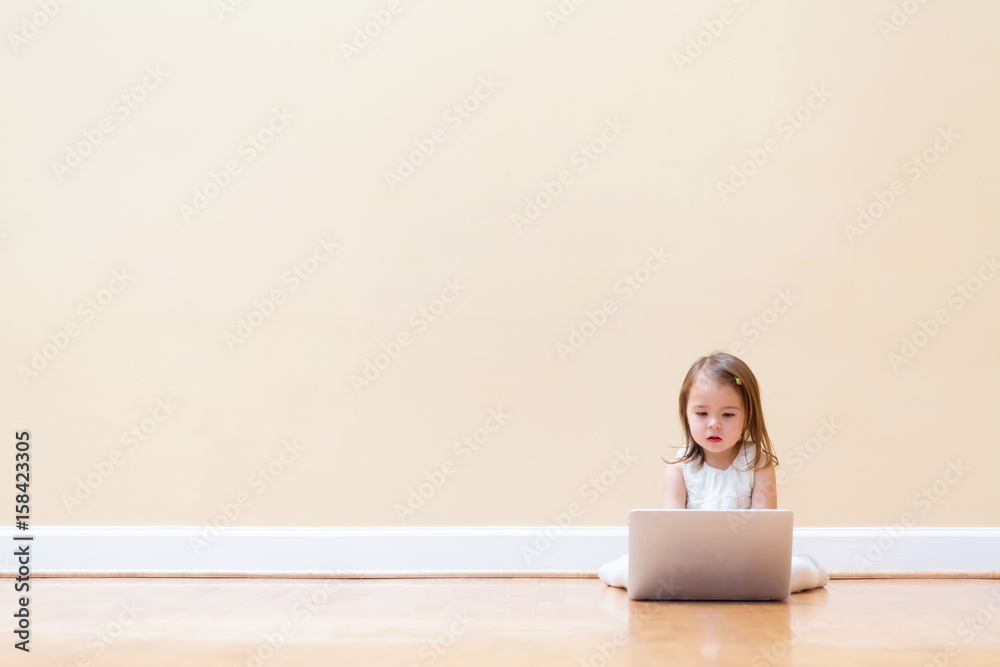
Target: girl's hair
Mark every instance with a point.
(724, 369)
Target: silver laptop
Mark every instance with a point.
(709, 554)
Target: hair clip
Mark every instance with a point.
(739, 381)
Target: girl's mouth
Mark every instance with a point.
(714, 438)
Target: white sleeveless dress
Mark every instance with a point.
(709, 488)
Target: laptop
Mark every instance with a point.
(709, 554)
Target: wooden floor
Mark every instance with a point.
(574, 622)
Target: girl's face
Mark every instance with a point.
(715, 416)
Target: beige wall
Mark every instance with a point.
(677, 129)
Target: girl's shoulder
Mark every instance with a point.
(679, 454)
(748, 454)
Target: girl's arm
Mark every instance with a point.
(674, 492)
(765, 489)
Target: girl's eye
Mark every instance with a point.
(701, 414)
(727, 414)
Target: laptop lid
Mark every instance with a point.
(709, 554)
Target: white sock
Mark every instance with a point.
(807, 573)
(615, 573)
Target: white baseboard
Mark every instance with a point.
(468, 551)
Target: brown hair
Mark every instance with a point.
(724, 369)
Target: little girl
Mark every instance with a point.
(728, 462)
